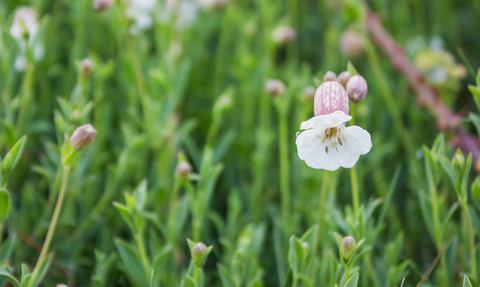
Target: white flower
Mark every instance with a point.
(183, 12)
(141, 12)
(327, 144)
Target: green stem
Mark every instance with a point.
(195, 274)
(143, 254)
(51, 229)
(471, 240)
(284, 166)
(321, 213)
(24, 114)
(295, 281)
(347, 269)
(353, 175)
(173, 211)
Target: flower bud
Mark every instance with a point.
(343, 79)
(274, 87)
(306, 247)
(459, 159)
(357, 88)
(347, 248)
(284, 35)
(476, 189)
(329, 76)
(83, 136)
(25, 23)
(330, 97)
(308, 93)
(183, 170)
(351, 43)
(198, 251)
(86, 67)
(102, 5)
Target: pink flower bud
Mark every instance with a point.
(183, 169)
(343, 78)
(83, 136)
(284, 35)
(329, 76)
(274, 87)
(351, 43)
(86, 67)
(330, 97)
(102, 5)
(357, 88)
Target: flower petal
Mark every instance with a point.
(356, 140)
(327, 121)
(312, 151)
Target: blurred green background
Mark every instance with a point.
(188, 76)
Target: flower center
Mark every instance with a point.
(332, 134)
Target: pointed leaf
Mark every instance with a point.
(466, 281)
(7, 275)
(12, 157)
(353, 281)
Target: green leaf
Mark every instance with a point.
(7, 247)
(351, 69)
(464, 183)
(126, 215)
(403, 281)
(12, 157)
(296, 255)
(353, 281)
(4, 205)
(7, 275)
(449, 215)
(140, 195)
(43, 268)
(188, 282)
(131, 261)
(225, 277)
(25, 275)
(466, 281)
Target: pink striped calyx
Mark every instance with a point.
(329, 98)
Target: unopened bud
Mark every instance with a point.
(198, 253)
(357, 88)
(329, 76)
(274, 87)
(459, 159)
(309, 93)
(306, 247)
(329, 98)
(86, 67)
(102, 5)
(183, 170)
(284, 35)
(343, 78)
(347, 248)
(83, 136)
(351, 43)
(62, 285)
(476, 189)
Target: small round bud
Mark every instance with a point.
(102, 5)
(198, 252)
(459, 159)
(306, 247)
(351, 43)
(284, 35)
(348, 248)
(62, 285)
(357, 88)
(309, 93)
(183, 170)
(86, 67)
(343, 78)
(274, 87)
(329, 76)
(476, 189)
(83, 136)
(329, 98)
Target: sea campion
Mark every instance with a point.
(326, 143)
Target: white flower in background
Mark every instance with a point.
(25, 29)
(215, 4)
(184, 13)
(325, 142)
(140, 11)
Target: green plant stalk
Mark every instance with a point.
(173, 211)
(196, 217)
(321, 213)
(354, 179)
(143, 253)
(51, 229)
(347, 269)
(295, 280)
(195, 274)
(284, 166)
(23, 113)
(471, 241)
